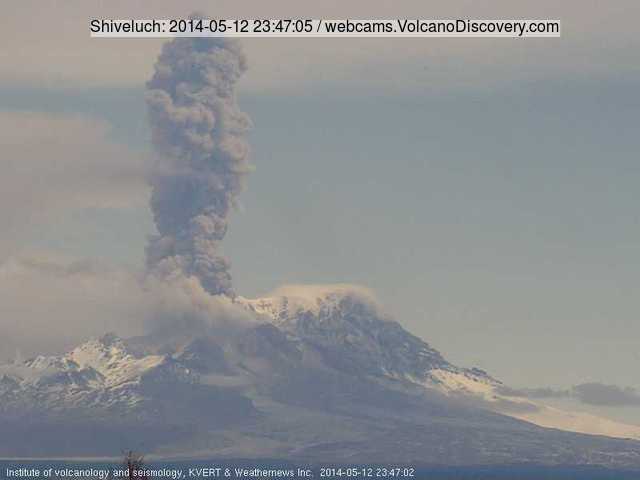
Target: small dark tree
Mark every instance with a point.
(134, 462)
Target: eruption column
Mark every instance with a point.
(199, 133)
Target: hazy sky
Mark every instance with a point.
(487, 190)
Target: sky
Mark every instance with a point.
(485, 189)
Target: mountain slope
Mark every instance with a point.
(321, 375)
(346, 326)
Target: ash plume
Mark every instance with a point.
(198, 132)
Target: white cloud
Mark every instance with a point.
(306, 295)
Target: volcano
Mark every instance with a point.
(320, 375)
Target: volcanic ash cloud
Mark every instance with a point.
(199, 134)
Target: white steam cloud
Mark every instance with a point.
(199, 135)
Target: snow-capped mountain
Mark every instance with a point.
(321, 374)
(351, 334)
(100, 379)
(347, 326)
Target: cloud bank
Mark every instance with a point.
(55, 164)
(591, 393)
(49, 303)
(606, 395)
